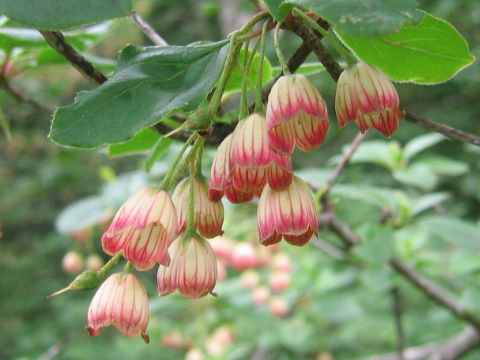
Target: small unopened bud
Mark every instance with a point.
(279, 280)
(244, 256)
(94, 262)
(278, 306)
(87, 280)
(195, 354)
(260, 295)
(72, 262)
(249, 279)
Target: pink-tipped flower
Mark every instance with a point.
(120, 301)
(296, 114)
(208, 214)
(250, 154)
(193, 269)
(366, 96)
(289, 213)
(143, 228)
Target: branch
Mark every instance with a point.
(56, 40)
(397, 314)
(335, 70)
(451, 349)
(5, 83)
(148, 30)
(446, 130)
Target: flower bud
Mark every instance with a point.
(296, 114)
(366, 96)
(279, 280)
(208, 214)
(94, 262)
(281, 262)
(249, 279)
(120, 301)
(278, 306)
(143, 228)
(193, 270)
(220, 173)
(280, 173)
(290, 213)
(261, 294)
(195, 354)
(72, 262)
(244, 256)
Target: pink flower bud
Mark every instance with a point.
(172, 340)
(281, 261)
(249, 279)
(208, 214)
(366, 96)
(94, 262)
(222, 247)
(290, 213)
(279, 280)
(195, 354)
(261, 294)
(296, 113)
(143, 228)
(72, 262)
(193, 270)
(278, 306)
(237, 196)
(244, 256)
(120, 301)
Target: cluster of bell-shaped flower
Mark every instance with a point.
(144, 228)
(256, 161)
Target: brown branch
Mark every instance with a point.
(57, 41)
(397, 315)
(450, 349)
(148, 30)
(5, 83)
(446, 130)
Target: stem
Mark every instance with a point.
(250, 23)
(198, 169)
(183, 165)
(110, 263)
(258, 90)
(243, 97)
(397, 314)
(281, 58)
(191, 207)
(233, 51)
(335, 43)
(148, 30)
(166, 181)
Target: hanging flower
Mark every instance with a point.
(289, 213)
(296, 114)
(143, 228)
(193, 270)
(120, 301)
(366, 96)
(208, 214)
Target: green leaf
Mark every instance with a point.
(420, 143)
(235, 81)
(427, 201)
(143, 141)
(378, 152)
(381, 197)
(417, 175)
(378, 249)
(454, 231)
(359, 17)
(82, 214)
(428, 53)
(160, 148)
(148, 84)
(444, 166)
(64, 14)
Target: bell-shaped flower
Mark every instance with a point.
(290, 213)
(296, 114)
(250, 154)
(120, 301)
(208, 214)
(143, 228)
(366, 96)
(193, 269)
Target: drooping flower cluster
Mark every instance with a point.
(256, 161)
